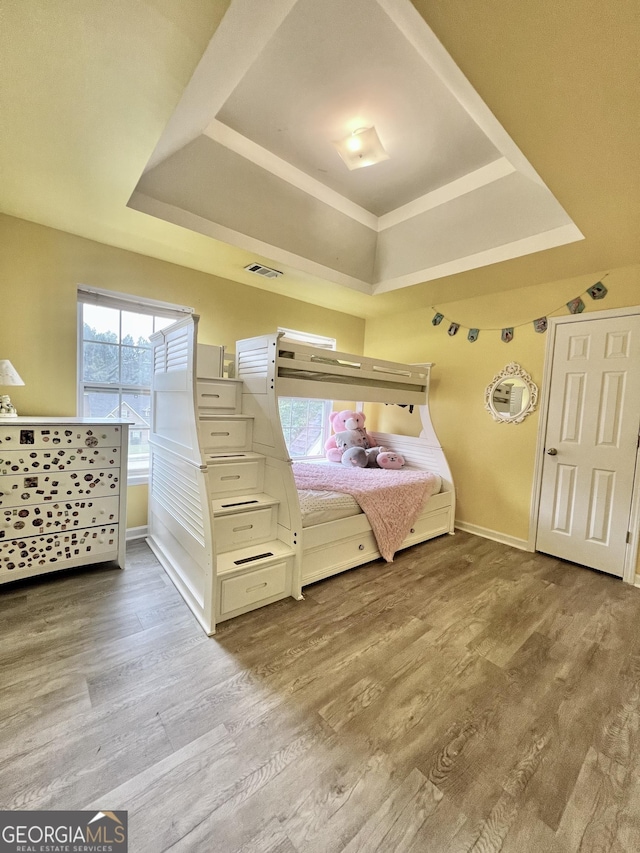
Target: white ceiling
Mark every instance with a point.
(337, 66)
(247, 156)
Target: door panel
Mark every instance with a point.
(593, 420)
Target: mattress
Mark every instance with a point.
(320, 507)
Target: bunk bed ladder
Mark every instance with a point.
(216, 519)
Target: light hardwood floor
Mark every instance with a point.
(468, 697)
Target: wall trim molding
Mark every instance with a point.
(134, 533)
(495, 535)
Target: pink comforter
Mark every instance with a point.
(392, 500)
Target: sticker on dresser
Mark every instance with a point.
(48, 437)
(45, 487)
(62, 504)
(72, 548)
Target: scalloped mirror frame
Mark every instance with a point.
(511, 371)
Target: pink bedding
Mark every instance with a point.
(392, 500)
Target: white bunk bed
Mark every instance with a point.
(224, 512)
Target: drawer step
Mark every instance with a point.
(241, 457)
(254, 588)
(252, 557)
(241, 503)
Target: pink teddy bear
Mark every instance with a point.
(346, 420)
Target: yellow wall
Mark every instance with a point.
(492, 463)
(40, 269)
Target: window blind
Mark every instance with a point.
(126, 302)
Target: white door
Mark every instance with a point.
(591, 442)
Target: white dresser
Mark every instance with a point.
(63, 489)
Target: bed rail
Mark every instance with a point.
(307, 371)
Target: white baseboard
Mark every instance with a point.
(495, 535)
(136, 532)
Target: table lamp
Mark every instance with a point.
(8, 376)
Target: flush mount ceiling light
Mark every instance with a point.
(361, 148)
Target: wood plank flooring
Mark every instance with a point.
(467, 697)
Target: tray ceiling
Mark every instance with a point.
(247, 156)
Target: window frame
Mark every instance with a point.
(324, 343)
(121, 302)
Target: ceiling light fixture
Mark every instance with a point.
(361, 148)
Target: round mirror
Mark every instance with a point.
(511, 395)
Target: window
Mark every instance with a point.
(114, 364)
(305, 423)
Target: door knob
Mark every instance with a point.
(552, 451)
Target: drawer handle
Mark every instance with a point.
(253, 559)
(217, 396)
(244, 527)
(360, 547)
(219, 434)
(257, 586)
(413, 530)
(231, 477)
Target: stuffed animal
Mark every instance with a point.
(373, 457)
(346, 439)
(346, 420)
(390, 459)
(361, 457)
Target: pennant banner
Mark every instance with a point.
(597, 291)
(540, 324)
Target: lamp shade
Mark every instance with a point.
(8, 374)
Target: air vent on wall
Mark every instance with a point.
(267, 272)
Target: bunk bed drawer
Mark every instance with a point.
(222, 434)
(345, 553)
(251, 587)
(427, 525)
(234, 531)
(232, 478)
(217, 396)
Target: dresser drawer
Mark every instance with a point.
(34, 552)
(220, 435)
(58, 436)
(29, 460)
(57, 517)
(244, 590)
(234, 531)
(17, 491)
(215, 396)
(234, 478)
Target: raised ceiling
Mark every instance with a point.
(85, 96)
(247, 156)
